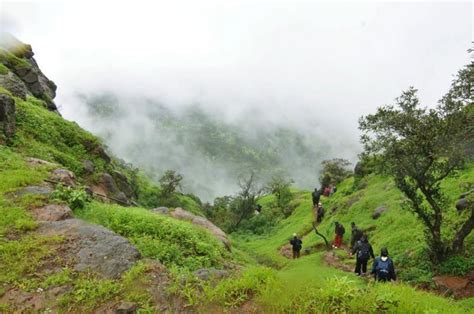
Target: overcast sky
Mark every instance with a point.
(305, 63)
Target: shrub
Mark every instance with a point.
(76, 198)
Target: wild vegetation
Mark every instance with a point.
(257, 275)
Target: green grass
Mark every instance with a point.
(46, 135)
(170, 241)
(12, 61)
(3, 69)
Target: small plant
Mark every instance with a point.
(75, 198)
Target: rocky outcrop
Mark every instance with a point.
(52, 213)
(38, 162)
(7, 117)
(123, 184)
(18, 58)
(93, 247)
(182, 214)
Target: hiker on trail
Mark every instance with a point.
(383, 269)
(296, 244)
(258, 209)
(356, 234)
(320, 212)
(316, 196)
(339, 230)
(363, 251)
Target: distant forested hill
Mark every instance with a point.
(209, 152)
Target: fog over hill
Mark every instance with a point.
(214, 89)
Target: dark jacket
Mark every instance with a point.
(296, 243)
(316, 196)
(376, 270)
(340, 230)
(363, 248)
(356, 235)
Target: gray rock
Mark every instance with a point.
(379, 211)
(93, 247)
(7, 116)
(123, 185)
(109, 184)
(161, 210)
(210, 273)
(126, 308)
(52, 213)
(462, 204)
(31, 77)
(182, 214)
(122, 198)
(14, 85)
(38, 162)
(34, 190)
(89, 167)
(64, 176)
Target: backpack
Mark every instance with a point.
(382, 269)
(364, 251)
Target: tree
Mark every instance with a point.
(245, 203)
(419, 148)
(334, 171)
(170, 182)
(280, 187)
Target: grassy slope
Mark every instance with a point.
(397, 229)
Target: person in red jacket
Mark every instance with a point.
(339, 231)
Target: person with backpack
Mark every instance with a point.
(316, 195)
(363, 251)
(296, 245)
(356, 234)
(320, 212)
(339, 231)
(383, 268)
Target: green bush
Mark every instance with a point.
(457, 265)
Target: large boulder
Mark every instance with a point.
(123, 184)
(52, 213)
(7, 117)
(182, 214)
(64, 176)
(109, 183)
(93, 247)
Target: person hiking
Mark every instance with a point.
(339, 231)
(320, 212)
(363, 251)
(258, 209)
(316, 195)
(356, 234)
(383, 268)
(296, 244)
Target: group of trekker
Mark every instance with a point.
(383, 268)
